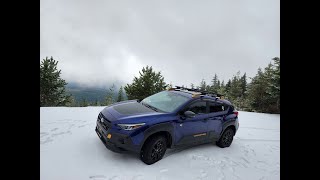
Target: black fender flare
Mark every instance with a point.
(162, 127)
(228, 124)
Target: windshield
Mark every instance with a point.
(165, 101)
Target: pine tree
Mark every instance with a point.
(52, 87)
(110, 96)
(72, 102)
(222, 84)
(264, 89)
(84, 103)
(203, 85)
(192, 86)
(120, 94)
(235, 91)
(215, 84)
(222, 89)
(95, 103)
(149, 83)
(228, 86)
(208, 88)
(243, 84)
(275, 88)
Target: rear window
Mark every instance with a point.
(215, 107)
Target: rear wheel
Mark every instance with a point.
(226, 138)
(153, 150)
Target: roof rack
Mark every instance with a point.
(194, 91)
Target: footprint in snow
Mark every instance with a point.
(163, 170)
(54, 129)
(114, 178)
(46, 141)
(262, 178)
(61, 133)
(137, 177)
(97, 177)
(42, 134)
(204, 174)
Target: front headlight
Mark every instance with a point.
(130, 126)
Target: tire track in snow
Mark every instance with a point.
(262, 140)
(260, 128)
(97, 177)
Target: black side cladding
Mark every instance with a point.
(163, 127)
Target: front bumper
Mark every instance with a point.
(118, 142)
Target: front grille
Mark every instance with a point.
(106, 124)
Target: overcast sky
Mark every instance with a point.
(102, 41)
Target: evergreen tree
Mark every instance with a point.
(214, 87)
(235, 90)
(95, 103)
(222, 84)
(243, 84)
(203, 85)
(192, 86)
(222, 89)
(149, 83)
(228, 86)
(234, 93)
(52, 87)
(72, 102)
(208, 88)
(84, 103)
(275, 85)
(264, 90)
(120, 95)
(110, 96)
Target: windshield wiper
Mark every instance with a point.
(150, 107)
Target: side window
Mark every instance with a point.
(216, 107)
(198, 107)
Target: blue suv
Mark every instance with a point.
(173, 118)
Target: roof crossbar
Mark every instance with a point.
(179, 88)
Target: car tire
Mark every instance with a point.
(226, 138)
(153, 150)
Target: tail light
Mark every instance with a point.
(236, 113)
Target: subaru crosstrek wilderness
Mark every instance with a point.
(168, 119)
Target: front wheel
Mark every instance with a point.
(226, 138)
(153, 150)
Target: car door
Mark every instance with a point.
(216, 117)
(192, 130)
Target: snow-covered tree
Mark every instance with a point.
(52, 86)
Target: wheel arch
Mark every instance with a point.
(164, 129)
(229, 125)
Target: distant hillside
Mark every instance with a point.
(91, 94)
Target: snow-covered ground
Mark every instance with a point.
(71, 150)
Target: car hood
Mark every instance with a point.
(128, 111)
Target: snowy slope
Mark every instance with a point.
(71, 150)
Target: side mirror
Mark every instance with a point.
(189, 114)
